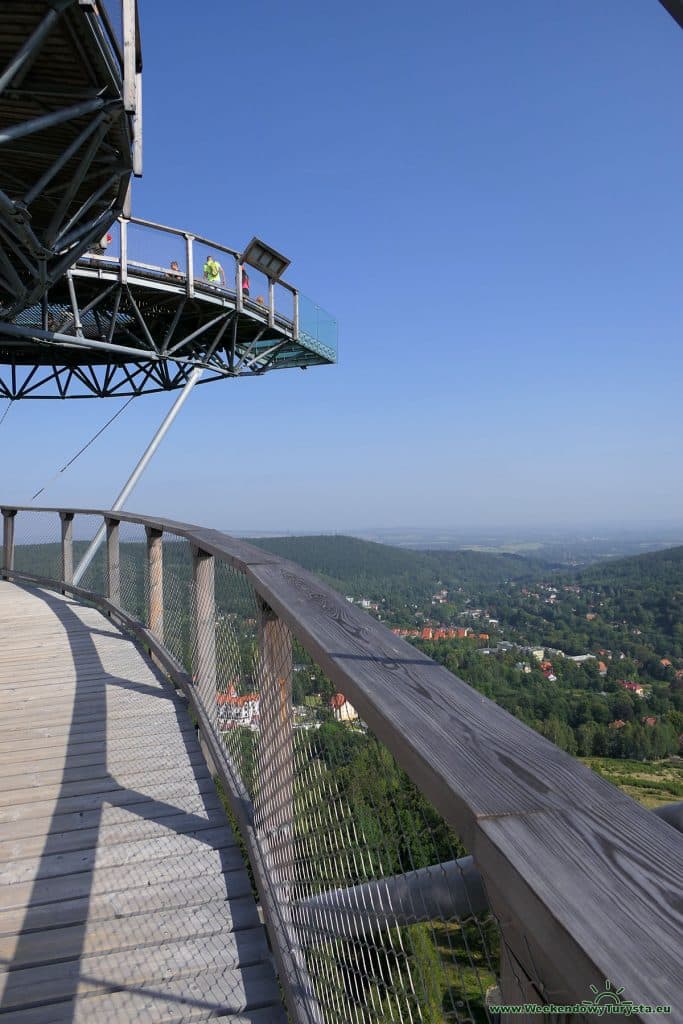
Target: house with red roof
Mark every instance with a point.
(636, 688)
(342, 709)
(235, 709)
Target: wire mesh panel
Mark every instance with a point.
(177, 598)
(134, 572)
(389, 914)
(91, 551)
(37, 544)
(233, 702)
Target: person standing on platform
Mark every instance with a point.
(245, 282)
(101, 247)
(213, 272)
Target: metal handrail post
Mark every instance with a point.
(189, 259)
(271, 302)
(295, 320)
(123, 268)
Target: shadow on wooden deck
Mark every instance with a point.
(124, 892)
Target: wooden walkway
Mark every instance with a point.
(123, 895)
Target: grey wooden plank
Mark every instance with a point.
(51, 865)
(60, 684)
(99, 837)
(116, 751)
(584, 902)
(233, 888)
(112, 818)
(205, 996)
(90, 772)
(124, 831)
(49, 983)
(123, 877)
(38, 747)
(53, 945)
(23, 701)
(80, 722)
(170, 785)
(144, 776)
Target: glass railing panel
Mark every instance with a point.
(317, 328)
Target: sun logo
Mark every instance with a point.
(608, 995)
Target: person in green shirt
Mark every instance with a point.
(213, 272)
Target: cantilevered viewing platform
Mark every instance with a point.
(141, 316)
(123, 893)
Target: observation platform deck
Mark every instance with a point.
(124, 894)
(141, 317)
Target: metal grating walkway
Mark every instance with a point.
(123, 895)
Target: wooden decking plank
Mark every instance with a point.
(20, 701)
(171, 785)
(126, 876)
(98, 837)
(145, 774)
(112, 752)
(111, 818)
(38, 747)
(168, 895)
(53, 865)
(44, 778)
(114, 936)
(17, 698)
(79, 722)
(180, 1000)
(30, 986)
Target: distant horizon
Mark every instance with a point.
(549, 529)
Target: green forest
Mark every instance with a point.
(628, 614)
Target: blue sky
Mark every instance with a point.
(488, 198)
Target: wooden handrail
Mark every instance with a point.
(585, 882)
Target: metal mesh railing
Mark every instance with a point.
(37, 545)
(381, 910)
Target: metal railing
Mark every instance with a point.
(419, 854)
(172, 257)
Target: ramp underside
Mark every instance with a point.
(123, 894)
(65, 142)
(141, 335)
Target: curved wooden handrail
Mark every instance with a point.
(586, 883)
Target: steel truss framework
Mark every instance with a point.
(67, 125)
(98, 335)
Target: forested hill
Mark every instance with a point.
(379, 571)
(633, 605)
(645, 592)
(652, 571)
